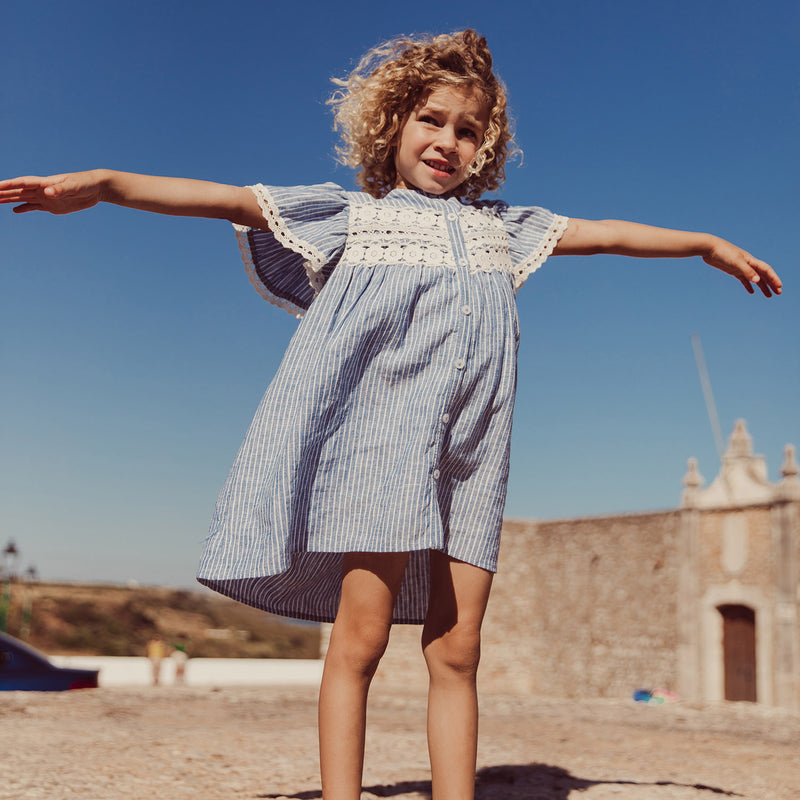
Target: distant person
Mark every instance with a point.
(370, 487)
(180, 657)
(155, 653)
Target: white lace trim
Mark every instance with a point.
(313, 260)
(252, 275)
(403, 237)
(486, 241)
(554, 232)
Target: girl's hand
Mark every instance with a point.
(743, 266)
(58, 194)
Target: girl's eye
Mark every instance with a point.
(428, 119)
(468, 133)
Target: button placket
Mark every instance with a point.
(460, 310)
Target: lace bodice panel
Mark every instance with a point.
(412, 236)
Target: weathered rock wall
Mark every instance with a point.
(582, 607)
(585, 607)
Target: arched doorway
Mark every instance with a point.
(739, 651)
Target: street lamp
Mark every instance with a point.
(10, 558)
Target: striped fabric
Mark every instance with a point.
(387, 425)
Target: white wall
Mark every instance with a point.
(135, 671)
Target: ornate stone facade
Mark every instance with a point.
(739, 591)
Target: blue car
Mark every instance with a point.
(24, 669)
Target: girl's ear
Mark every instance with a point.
(395, 143)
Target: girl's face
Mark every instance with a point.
(439, 140)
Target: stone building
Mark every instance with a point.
(702, 600)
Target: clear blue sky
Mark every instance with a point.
(134, 351)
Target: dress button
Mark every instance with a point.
(466, 310)
(445, 418)
(460, 363)
(452, 216)
(436, 474)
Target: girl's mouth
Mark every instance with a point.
(441, 166)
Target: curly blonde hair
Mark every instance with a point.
(390, 80)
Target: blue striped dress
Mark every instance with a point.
(387, 425)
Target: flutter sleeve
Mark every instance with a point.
(304, 233)
(532, 235)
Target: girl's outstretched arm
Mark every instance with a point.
(587, 237)
(75, 191)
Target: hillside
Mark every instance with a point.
(112, 620)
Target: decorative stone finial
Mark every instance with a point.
(789, 487)
(740, 445)
(693, 480)
(790, 468)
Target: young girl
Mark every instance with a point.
(370, 486)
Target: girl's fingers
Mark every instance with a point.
(768, 277)
(9, 193)
(763, 285)
(10, 183)
(22, 189)
(25, 182)
(29, 184)
(14, 196)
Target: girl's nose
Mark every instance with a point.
(447, 139)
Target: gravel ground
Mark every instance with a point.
(237, 743)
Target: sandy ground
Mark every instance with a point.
(236, 743)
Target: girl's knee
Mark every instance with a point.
(359, 646)
(454, 653)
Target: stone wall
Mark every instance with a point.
(583, 607)
(593, 600)
(737, 544)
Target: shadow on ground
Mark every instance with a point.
(514, 782)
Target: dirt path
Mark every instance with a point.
(239, 743)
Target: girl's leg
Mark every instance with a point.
(451, 644)
(359, 637)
